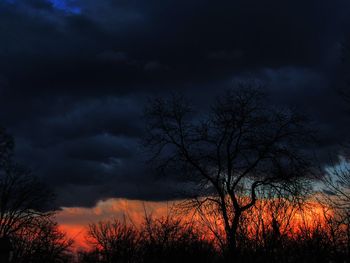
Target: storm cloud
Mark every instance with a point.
(75, 75)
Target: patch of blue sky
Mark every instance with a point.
(66, 6)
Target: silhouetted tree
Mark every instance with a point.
(114, 240)
(242, 145)
(23, 215)
(163, 239)
(337, 185)
(170, 239)
(337, 176)
(42, 241)
(22, 196)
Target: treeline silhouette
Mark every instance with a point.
(163, 239)
(274, 231)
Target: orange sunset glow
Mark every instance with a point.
(75, 220)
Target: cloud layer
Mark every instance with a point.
(74, 76)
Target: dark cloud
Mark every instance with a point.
(74, 76)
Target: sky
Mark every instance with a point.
(75, 76)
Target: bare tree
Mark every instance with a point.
(336, 195)
(336, 177)
(22, 196)
(115, 241)
(42, 241)
(172, 239)
(164, 239)
(24, 217)
(337, 185)
(240, 146)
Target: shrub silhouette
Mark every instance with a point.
(157, 240)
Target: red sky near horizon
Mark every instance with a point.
(74, 221)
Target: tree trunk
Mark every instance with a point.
(232, 252)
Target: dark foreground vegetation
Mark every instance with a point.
(249, 176)
(262, 239)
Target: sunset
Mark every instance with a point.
(75, 221)
(174, 131)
